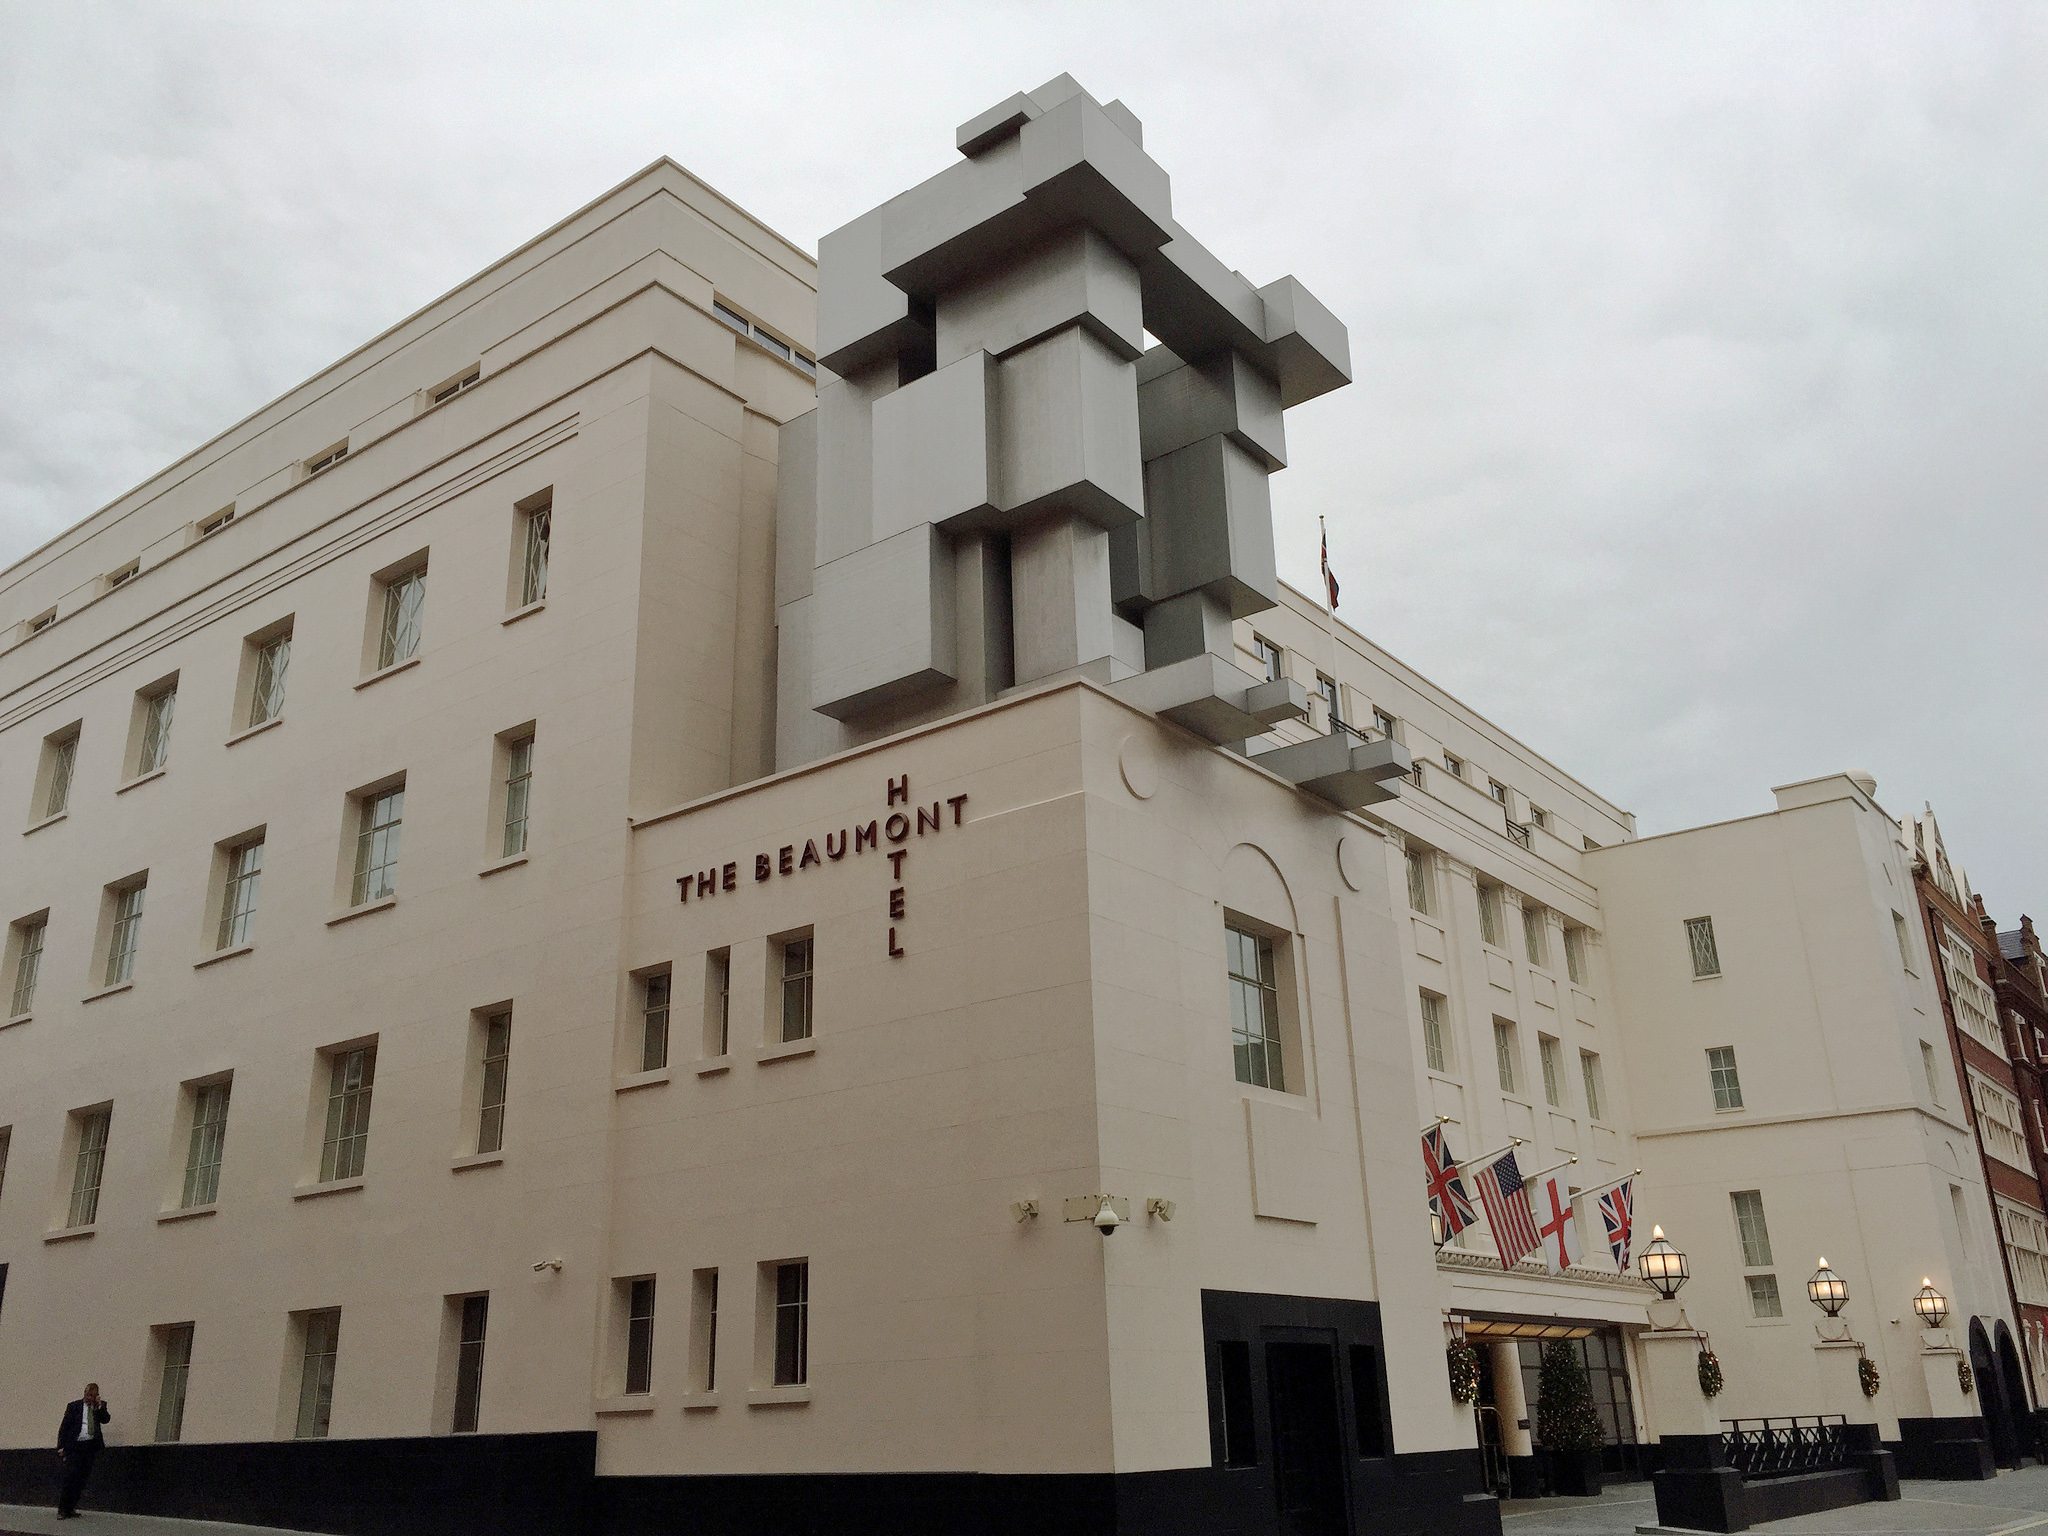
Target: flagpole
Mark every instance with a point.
(1494, 1155)
(1530, 1178)
(1602, 1189)
(1438, 1121)
(1329, 613)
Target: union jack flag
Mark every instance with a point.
(1618, 1215)
(1329, 576)
(1507, 1209)
(1446, 1189)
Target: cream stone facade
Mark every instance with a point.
(629, 906)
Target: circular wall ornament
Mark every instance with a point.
(1139, 765)
(1354, 860)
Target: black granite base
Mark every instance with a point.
(1946, 1450)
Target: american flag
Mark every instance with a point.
(1446, 1190)
(1618, 1215)
(1507, 1209)
(1329, 576)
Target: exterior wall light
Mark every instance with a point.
(1662, 1266)
(1931, 1305)
(1828, 1290)
(1437, 1234)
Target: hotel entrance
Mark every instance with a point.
(1510, 1393)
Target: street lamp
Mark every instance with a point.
(1930, 1304)
(1828, 1290)
(1662, 1266)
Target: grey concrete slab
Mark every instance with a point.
(2014, 1502)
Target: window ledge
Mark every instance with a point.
(774, 1397)
(524, 613)
(363, 911)
(66, 1234)
(711, 1066)
(513, 862)
(331, 1187)
(93, 997)
(47, 821)
(256, 730)
(187, 1212)
(697, 1402)
(634, 1080)
(786, 1050)
(224, 954)
(1710, 976)
(390, 671)
(19, 1018)
(141, 779)
(638, 1402)
(476, 1160)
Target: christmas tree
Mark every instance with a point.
(1565, 1417)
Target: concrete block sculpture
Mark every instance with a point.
(1003, 484)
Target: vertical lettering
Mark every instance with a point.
(957, 802)
(864, 837)
(896, 856)
(810, 854)
(731, 877)
(899, 789)
(895, 949)
(897, 827)
(933, 813)
(896, 904)
(761, 866)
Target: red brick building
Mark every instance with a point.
(2021, 991)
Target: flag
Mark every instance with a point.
(1329, 576)
(1618, 1215)
(1446, 1189)
(1555, 1223)
(1507, 1209)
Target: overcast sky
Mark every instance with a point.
(1700, 431)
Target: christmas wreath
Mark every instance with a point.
(1867, 1374)
(1463, 1360)
(1965, 1378)
(1710, 1374)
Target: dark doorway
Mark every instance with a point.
(2014, 1376)
(1308, 1440)
(1991, 1398)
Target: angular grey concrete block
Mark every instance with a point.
(1311, 349)
(1075, 277)
(845, 447)
(1125, 119)
(796, 506)
(1196, 305)
(935, 450)
(802, 735)
(1350, 777)
(1276, 700)
(1209, 524)
(862, 317)
(997, 123)
(1059, 584)
(1080, 166)
(1181, 402)
(882, 624)
(1069, 431)
(1187, 625)
(1204, 694)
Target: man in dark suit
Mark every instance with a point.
(79, 1439)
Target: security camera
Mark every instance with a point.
(546, 1264)
(1106, 1219)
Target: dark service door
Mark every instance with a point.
(1308, 1442)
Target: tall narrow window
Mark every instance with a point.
(6, 1141)
(796, 989)
(1927, 1065)
(654, 997)
(497, 1044)
(1269, 657)
(1699, 938)
(205, 1146)
(1418, 880)
(1254, 1009)
(1489, 914)
(705, 1341)
(792, 1324)
(640, 1336)
(238, 896)
(533, 581)
(1752, 1229)
(1433, 1032)
(1575, 954)
(1384, 723)
(28, 964)
(170, 1396)
(1722, 1077)
(518, 784)
(405, 601)
(157, 711)
(1596, 1089)
(1327, 688)
(126, 936)
(469, 1363)
(1764, 1300)
(316, 1373)
(88, 1167)
(1553, 1070)
(1533, 925)
(383, 819)
(63, 757)
(718, 1001)
(352, 1076)
(273, 660)
(1905, 939)
(1504, 1053)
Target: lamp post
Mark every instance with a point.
(1930, 1304)
(1827, 1290)
(1662, 1266)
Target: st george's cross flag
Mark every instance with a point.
(1507, 1209)
(1446, 1189)
(1618, 1215)
(1551, 1199)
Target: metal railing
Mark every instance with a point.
(1781, 1447)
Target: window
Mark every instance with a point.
(6, 1140)
(322, 1332)
(28, 963)
(176, 1343)
(654, 1022)
(273, 660)
(796, 988)
(704, 1331)
(1504, 1053)
(1454, 766)
(792, 1324)
(1254, 1008)
(1498, 790)
(1326, 687)
(214, 524)
(238, 896)
(533, 578)
(753, 332)
(60, 756)
(327, 458)
(497, 1060)
(1489, 914)
(1962, 1214)
(1591, 846)
(640, 1335)
(405, 601)
(126, 905)
(1721, 1076)
(1905, 939)
(718, 1002)
(1384, 723)
(1269, 656)
(1752, 1229)
(733, 318)
(1999, 1123)
(1433, 1032)
(1596, 1088)
(1553, 1070)
(1538, 817)
(1418, 879)
(1699, 938)
(1975, 1009)
(518, 783)
(2026, 1244)
(1575, 954)
(469, 1363)
(455, 386)
(383, 819)
(1763, 1296)
(1534, 925)
(352, 1075)
(42, 620)
(205, 1145)
(1927, 1065)
(88, 1165)
(155, 748)
(120, 574)
(1235, 1435)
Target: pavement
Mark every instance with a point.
(25, 1520)
(2008, 1504)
